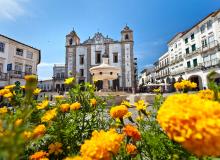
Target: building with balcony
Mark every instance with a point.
(59, 76)
(193, 53)
(80, 57)
(56, 84)
(16, 60)
(147, 76)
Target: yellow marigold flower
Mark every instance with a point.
(74, 158)
(93, 102)
(9, 86)
(43, 105)
(27, 135)
(129, 114)
(102, 145)
(178, 86)
(69, 81)
(4, 91)
(193, 85)
(30, 77)
(140, 105)
(184, 84)
(118, 111)
(206, 94)
(65, 107)
(38, 155)
(193, 122)
(22, 87)
(8, 95)
(49, 115)
(39, 130)
(132, 131)
(58, 97)
(158, 90)
(37, 91)
(139, 118)
(126, 103)
(55, 148)
(3, 110)
(18, 122)
(131, 149)
(75, 106)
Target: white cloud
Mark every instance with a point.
(10, 9)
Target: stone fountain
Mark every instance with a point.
(105, 72)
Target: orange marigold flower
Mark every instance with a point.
(49, 115)
(206, 94)
(75, 106)
(77, 158)
(132, 131)
(4, 91)
(18, 122)
(64, 107)
(38, 155)
(131, 149)
(193, 122)
(118, 111)
(55, 148)
(8, 95)
(93, 102)
(39, 130)
(102, 145)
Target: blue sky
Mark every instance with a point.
(45, 23)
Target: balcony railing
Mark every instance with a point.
(192, 53)
(211, 63)
(163, 66)
(176, 60)
(210, 46)
(18, 74)
(189, 69)
(177, 72)
(162, 75)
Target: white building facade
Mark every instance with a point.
(16, 60)
(194, 53)
(80, 57)
(57, 81)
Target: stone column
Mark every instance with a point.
(105, 85)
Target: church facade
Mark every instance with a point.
(80, 57)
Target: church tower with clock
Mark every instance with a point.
(80, 57)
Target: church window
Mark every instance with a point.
(71, 41)
(126, 37)
(81, 59)
(81, 72)
(98, 57)
(115, 57)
